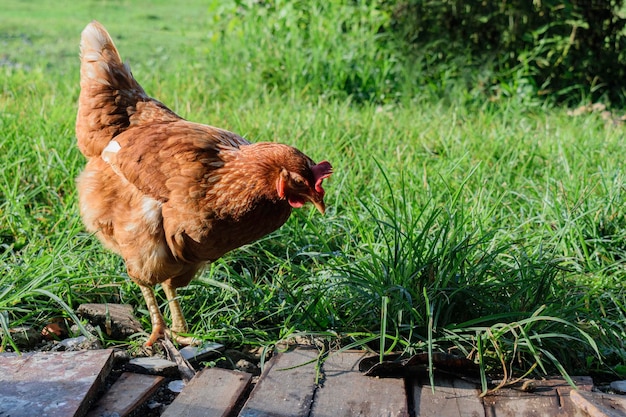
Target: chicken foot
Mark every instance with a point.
(159, 328)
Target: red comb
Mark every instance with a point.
(321, 171)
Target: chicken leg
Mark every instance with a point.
(156, 318)
(179, 325)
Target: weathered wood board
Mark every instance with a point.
(599, 404)
(213, 392)
(52, 384)
(295, 383)
(127, 393)
(347, 392)
(548, 398)
(451, 398)
(286, 387)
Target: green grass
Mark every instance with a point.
(496, 230)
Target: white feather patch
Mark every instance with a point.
(151, 210)
(111, 149)
(93, 38)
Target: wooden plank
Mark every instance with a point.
(549, 398)
(347, 392)
(127, 393)
(213, 392)
(52, 384)
(452, 397)
(512, 403)
(599, 404)
(286, 387)
(583, 383)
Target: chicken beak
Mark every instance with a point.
(320, 206)
(318, 202)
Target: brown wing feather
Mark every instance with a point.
(164, 158)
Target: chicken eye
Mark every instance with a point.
(298, 181)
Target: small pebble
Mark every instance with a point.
(176, 385)
(153, 404)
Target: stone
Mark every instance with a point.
(619, 386)
(176, 386)
(117, 321)
(153, 366)
(86, 330)
(79, 343)
(201, 353)
(120, 357)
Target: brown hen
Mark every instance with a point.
(170, 195)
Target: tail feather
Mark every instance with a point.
(109, 94)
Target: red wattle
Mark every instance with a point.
(295, 203)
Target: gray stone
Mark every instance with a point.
(90, 330)
(201, 353)
(152, 404)
(79, 343)
(619, 387)
(153, 366)
(176, 385)
(117, 321)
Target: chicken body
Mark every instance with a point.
(169, 195)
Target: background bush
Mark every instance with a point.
(566, 51)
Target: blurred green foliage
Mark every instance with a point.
(563, 51)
